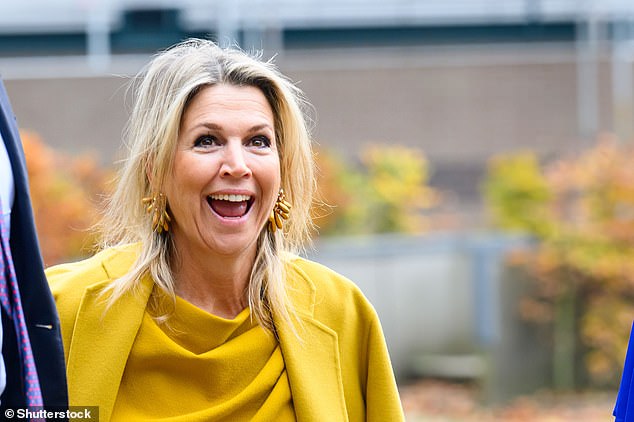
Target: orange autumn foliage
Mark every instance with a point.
(65, 193)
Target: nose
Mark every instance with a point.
(234, 163)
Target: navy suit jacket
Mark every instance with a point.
(39, 308)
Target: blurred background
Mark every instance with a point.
(475, 157)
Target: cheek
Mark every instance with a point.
(185, 181)
(275, 169)
(270, 182)
(191, 170)
(274, 179)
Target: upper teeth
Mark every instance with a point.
(230, 198)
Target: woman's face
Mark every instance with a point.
(226, 171)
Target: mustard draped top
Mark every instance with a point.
(201, 367)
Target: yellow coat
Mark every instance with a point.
(338, 369)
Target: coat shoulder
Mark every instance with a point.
(68, 282)
(76, 276)
(334, 295)
(318, 277)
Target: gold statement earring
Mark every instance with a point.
(281, 211)
(157, 206)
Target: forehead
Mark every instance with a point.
(224, 100)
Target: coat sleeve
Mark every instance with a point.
(382, 398)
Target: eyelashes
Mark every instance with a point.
(205, 141)
(259, 141)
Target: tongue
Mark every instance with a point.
(229, 209)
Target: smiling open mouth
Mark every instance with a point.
(230, 206)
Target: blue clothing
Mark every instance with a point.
(624, 408)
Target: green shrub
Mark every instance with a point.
(385, 191)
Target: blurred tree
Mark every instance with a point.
(517, 193)
(582, 211)
(385, 192)
(65, 192)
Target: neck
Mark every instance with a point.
(216, 284)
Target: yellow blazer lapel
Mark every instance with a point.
(101, 343)
(312, 359)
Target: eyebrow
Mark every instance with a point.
(214, 126)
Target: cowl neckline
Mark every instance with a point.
(199, 331)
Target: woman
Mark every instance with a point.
(197, 307)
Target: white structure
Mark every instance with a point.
(35, 16)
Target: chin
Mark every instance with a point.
(232, 247)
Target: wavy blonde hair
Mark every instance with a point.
(163, 89)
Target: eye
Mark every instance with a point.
(205, 141)
(260, 142)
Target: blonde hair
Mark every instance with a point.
(163, 90)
